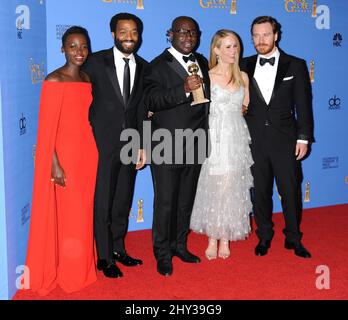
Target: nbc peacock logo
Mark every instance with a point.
(139, 3)
(230, 5)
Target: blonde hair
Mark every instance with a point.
(236, 76)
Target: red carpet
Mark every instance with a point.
(279, 275)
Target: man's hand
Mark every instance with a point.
(150, 114)
(192, 83)
(141, 159)
(301, 150)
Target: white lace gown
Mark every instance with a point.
(222, 204)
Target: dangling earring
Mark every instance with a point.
(217, 58)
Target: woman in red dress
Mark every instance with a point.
(60, 247)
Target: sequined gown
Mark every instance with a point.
(222, 204)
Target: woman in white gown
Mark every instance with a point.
(222, 204)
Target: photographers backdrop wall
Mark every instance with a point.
(22, 65)
(312, 29)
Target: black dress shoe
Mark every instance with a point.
(126, 260)
(298, 248)
(110, 270)
(186, 256)
(165, 267)
(262, 247)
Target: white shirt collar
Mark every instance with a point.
(119, 55)
(178, 55)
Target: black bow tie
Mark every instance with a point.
(263, 61)
(190, 57)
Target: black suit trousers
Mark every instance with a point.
(112, 204)
(274, 158)
(175, 190)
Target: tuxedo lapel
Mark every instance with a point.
(251, 70)
(175, 65)
(283, 66)
(138, 72)
(111, 72)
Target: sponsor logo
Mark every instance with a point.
(337, 40)
(60, 30)
(139, 3)
(330, 163)
(22, 125)
(334, 103)
(219, 4)
(321, 13)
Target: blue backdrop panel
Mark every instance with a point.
(3, 242)
(309, 28)
(25, 55)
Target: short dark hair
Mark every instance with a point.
(263, 19)
(175, 21)
(76, 30)
(126, 16)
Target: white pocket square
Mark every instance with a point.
(288, 78)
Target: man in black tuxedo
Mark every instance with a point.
(280, 122)
(168, 88)
(117, 83)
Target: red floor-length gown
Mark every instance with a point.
(60, 248)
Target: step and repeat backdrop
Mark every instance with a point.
(31, 34)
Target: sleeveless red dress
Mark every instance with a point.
(60, 247)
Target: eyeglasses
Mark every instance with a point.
(185, 32)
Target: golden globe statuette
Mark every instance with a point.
(314, 9)
(311, 71)
(306, 199)
(198, 94)
(140, 5)
(140, 217)
(233, 7)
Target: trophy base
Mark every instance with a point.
(200, 102)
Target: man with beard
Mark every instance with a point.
(168, 88)
(117, 87)
(280, 122)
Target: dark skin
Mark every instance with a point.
(185, 44)
(76, 51)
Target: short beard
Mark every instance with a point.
(268, 50)
(119, 46)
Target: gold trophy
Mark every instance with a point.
(140, 5)
(198, 94)
(311, 71)
(314, 9)
(140, 217)
(306, 199)
(233, 7)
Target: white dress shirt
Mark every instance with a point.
(119, 65)
(265, 77)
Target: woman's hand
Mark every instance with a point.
(57, 172)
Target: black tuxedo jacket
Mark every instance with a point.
(290, 107)
(165, 96)
(108, 115)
